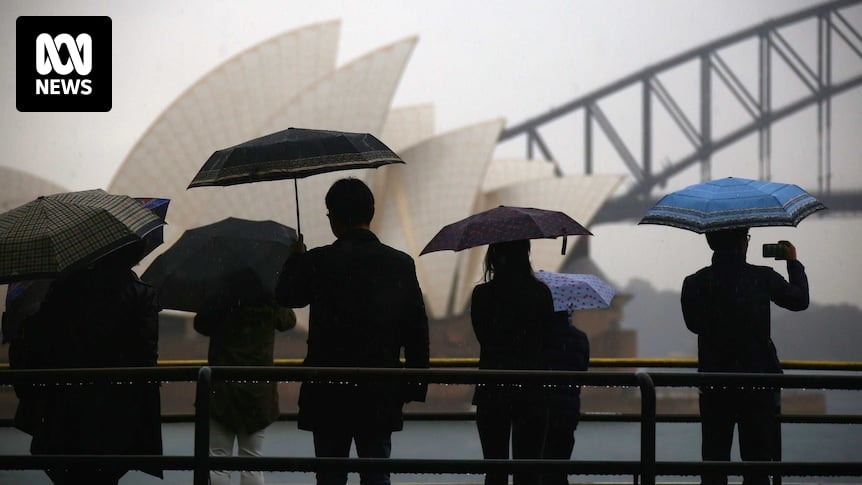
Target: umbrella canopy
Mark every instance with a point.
(573, 291)
(58, 233)
(201, 266)
(502, 224)
(23, 298)
(159, 207)
(733, 203)
(292, 154)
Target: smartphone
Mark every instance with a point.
(774, 250)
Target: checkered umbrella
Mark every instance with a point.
(58, 233)
(23, 298)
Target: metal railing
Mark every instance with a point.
(645, 470)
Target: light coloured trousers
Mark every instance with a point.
(221, 444)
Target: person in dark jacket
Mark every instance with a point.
(510, 313)
(366, 306)
(727, 304)
(242, 330)
(99, 316)
(566, 348)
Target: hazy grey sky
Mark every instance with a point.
(475, 60)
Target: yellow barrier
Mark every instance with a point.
(596, 362)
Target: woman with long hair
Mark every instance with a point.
(510, 311)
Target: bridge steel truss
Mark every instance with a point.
(832, 26)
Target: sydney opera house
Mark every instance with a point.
(293, 80)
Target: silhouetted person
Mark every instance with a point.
(366, 305)
(566, 348)
(242, 330)
(99, 316)
(510, 313)
(727, 305)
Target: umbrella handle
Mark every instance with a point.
(296, 194)
(565, 242)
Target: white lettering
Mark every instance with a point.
(48, 54)
(70, 86)
(64, 86)
(42, 86)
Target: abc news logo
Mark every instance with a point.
(63, 63)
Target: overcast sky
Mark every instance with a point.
(475, 60)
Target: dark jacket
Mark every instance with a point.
(727, 305)
(510, 319)
(566, 348)
(98, 317)
(366, 305)
(244, 335)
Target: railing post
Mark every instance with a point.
(648, 419)
(202, 426)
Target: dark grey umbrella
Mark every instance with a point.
(205, 264)
(293, 153)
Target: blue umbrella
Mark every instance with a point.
(732, 203)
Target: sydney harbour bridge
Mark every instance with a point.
(808, 48)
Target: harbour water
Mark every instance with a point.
(458, 440)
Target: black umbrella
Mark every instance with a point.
(203, 265)
(292, 154)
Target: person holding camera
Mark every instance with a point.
(727, 304)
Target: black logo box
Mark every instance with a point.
(100, 97)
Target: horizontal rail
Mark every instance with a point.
(647, 468)
(589, 417)
(592, 417)
(100, 375)
(595, 362)
(431, 466)
(742, 380)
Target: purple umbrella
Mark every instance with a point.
(577, 291)
(502, 224)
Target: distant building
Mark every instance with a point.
(292, 80)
